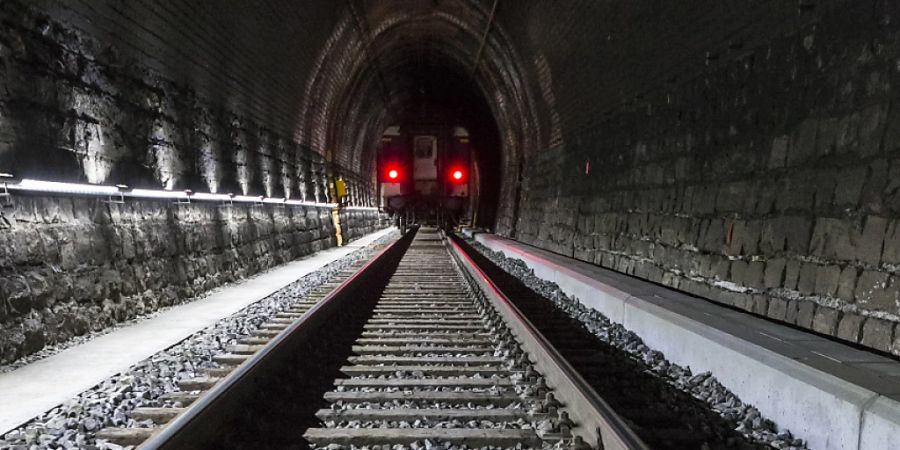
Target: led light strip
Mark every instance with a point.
(63, 188)
(54, 187)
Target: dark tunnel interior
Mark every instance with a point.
(434, 90)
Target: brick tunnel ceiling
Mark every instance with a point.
(396, 61)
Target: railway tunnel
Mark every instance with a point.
(717, 179)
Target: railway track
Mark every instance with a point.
(663, 414)
(417, 348)
(429, 366)
(175, 403)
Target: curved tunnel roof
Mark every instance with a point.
(332, 75)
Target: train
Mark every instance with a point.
(424, 174)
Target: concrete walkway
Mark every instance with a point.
(44, 384)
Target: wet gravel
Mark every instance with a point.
(703, 386)
(73, 424)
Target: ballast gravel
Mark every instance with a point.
(73, 424)
(426, 444)
(702, 386)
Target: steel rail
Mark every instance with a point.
(595, 421)
(168, 436)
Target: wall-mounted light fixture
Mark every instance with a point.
(186, 200)
(276, 202)
(55, 187)
(119, 192)
(227, 200)
(209, 197)
(119, 198)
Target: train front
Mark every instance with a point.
(424, 174)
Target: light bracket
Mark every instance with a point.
(186, 200)
(119, 197)
(118, 193)
(6, 200)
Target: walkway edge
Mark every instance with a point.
(827, 410)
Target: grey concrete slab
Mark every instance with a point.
(889, 370)
(880, 424)
(793, 394)
(37, 387)
(832, 395)
(845, 353)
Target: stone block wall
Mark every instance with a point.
(356, 223)
(89, 94)
(760, 171)
(86, 98)
(70, 265)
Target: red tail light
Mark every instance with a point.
(457, 175)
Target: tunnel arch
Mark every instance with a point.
(361, 83)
